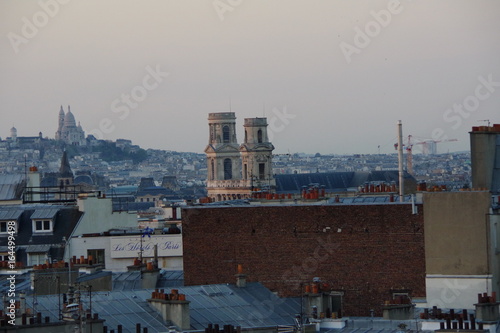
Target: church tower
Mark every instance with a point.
(234, 170)
(65, 174)
(60, 124)
(223, 157)
(256, 155)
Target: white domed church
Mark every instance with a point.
(68, 131)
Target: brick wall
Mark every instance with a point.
(367, 250)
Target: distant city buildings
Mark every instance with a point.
(330, 229)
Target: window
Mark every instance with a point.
(37, 258)
(403, 296)
(228, 169)
(212, 167)
(245, 171)
(42, 225)
(97, 256)
(259, 136)
(225, 134)
(262, 171)
(246, 136)
(3, 227)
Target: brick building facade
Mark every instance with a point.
(367, 252)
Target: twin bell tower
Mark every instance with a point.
(236, 170)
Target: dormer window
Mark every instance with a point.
(43, 220)
(42, 226)
(8, 226)
(9, 221)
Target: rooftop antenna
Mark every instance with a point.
(486, 120)
(230, 104)
(263, 109)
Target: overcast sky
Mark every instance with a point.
(331, 76)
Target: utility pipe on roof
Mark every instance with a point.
(400, 161)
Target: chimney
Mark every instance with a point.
(173, 307)
(484, 141)
(34, 182)
(149, 276)
(174, 212)
(241, 279)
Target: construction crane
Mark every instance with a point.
(409, 156)
(429, 147)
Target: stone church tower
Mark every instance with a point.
(256, 155)
(223, 157)
(235, 170)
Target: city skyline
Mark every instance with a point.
(331, 76)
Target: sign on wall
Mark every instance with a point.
(129, 247)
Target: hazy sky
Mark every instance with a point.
(332, 76)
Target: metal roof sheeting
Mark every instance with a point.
(11, 179)
(11, 187)
(252, 306)
(10, 214)
(8, 191)
(44, 213)
(334, 181)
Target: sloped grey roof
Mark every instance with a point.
(253, 306)
(36, 248)
(65, 221)
(90, 277)
(117, 308)
(127, 281)
(369, 199)
(44, 213)
(334, 181)
(132, 280)
(10, 179)
(10, 214)
(11, 187)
